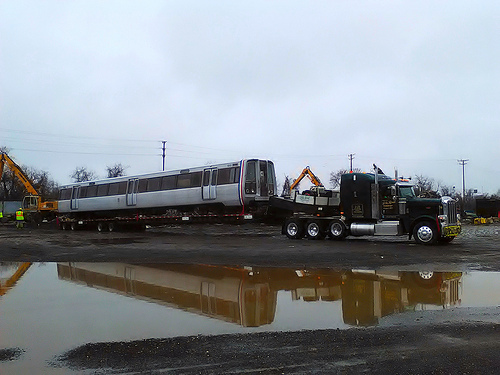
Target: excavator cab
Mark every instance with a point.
(30, 203)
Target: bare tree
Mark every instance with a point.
(42, 182)
(81, 174)
(447, 190)
(426, 186)
(286, 187)
(116, 170)
(336, 176)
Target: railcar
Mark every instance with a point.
(237, 187)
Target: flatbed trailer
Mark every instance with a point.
(139, 221)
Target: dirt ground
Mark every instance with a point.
(477, 248)
(464, 344)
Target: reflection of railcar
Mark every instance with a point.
(229, 294)
(229, 187)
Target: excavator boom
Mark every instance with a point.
(306, 172)
(16, 169)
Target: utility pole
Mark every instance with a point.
(163, 155)
(462, 162)
(351, 156)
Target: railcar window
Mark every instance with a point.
(92, 191)
(168, 182)
(196, 179)
(113, 188)
(83, 191)
(225, 176)
(143, 185)
(64, 194)
(122, 187)
(229, 176)
(183, 181)
(102, 190)
(154, 184)
(215, 177)
(251, 172)
(271, 177)
(237, 174)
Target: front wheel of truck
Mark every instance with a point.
(425, 233)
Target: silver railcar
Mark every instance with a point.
(230, 187)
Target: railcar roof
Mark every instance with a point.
(153, 174)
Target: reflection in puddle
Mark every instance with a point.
(47, 309)
(248, 296)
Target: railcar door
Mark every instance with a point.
(132, 185)
(75, 192)
(209, 190)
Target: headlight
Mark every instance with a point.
(442, 218)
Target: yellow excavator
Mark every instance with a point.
(306, 172)
(33, 204)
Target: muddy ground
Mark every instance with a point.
(468, 343)
(477, 248)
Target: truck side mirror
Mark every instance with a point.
(393, 190)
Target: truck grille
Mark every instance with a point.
(451, 211)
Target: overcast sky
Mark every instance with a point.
(406, 84)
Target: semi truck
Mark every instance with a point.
(372, 204)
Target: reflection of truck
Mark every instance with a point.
(34, 207)
(369, 204)
(368, 296)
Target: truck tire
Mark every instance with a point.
(337, 230)
(293, 229)
(314, 230)
(101, 227)
(425, 233)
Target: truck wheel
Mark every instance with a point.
(293, 229)
(425, 233)
(73, 226)
(337, 230)
(314, 231)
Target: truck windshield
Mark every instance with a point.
(406, 192)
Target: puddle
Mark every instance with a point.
(49, 308)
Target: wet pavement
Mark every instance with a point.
(48, 309)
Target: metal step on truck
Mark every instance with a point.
(368, 204)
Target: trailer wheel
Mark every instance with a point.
(101, 227)
(111, 227)
(314, 231)
(425, 233)
(293, 229)
(337, 230)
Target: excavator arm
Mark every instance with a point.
(16, 169)
(306, 172)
